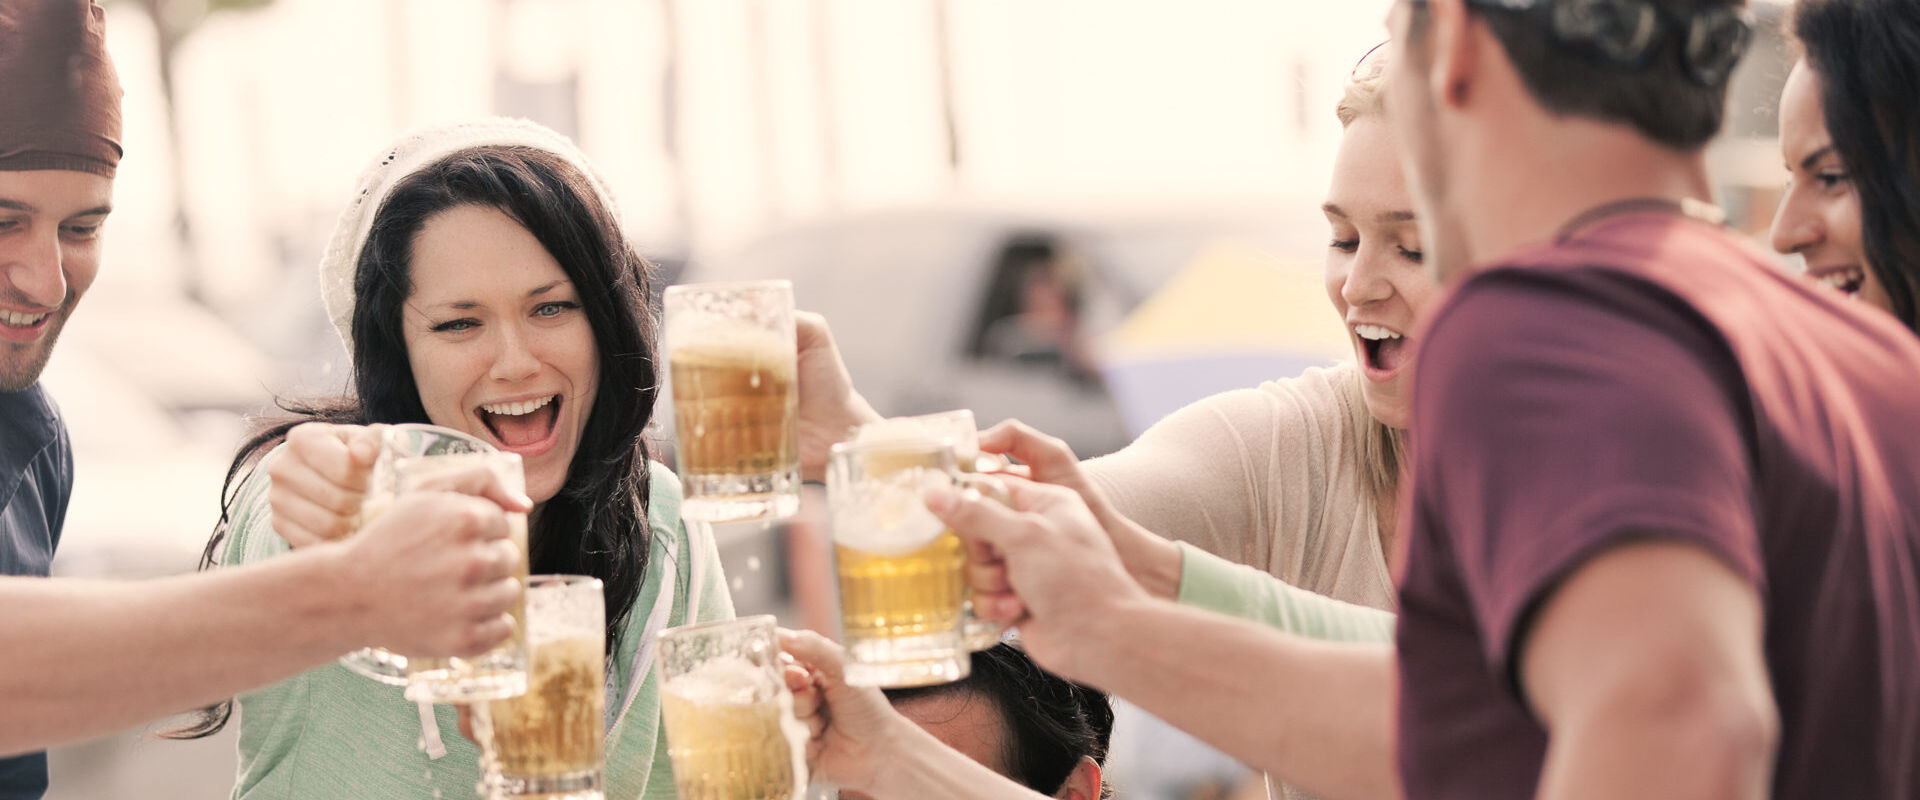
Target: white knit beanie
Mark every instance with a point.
(414, 152)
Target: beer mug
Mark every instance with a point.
(901, 572)
(958, 427)
(551, 741)
(730, 349)
(731, 733)
(413, 455)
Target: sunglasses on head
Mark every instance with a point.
(1629, 34)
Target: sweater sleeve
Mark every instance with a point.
(1213, 583)
(1246, 475)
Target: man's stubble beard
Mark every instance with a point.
(21, 365)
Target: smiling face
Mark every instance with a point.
(1819, 219)
(498, 343)
(49, 254)
(1374, 276)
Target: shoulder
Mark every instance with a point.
(249, 523)
(664, 494)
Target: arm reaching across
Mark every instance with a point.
(319, 480)
(81, 658)
(862, 745)
(1046, 566)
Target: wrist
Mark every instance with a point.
(332, 602)
(1155, 563)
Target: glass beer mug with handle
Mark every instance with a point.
(957, 426)
(551, 742)
(901, 572)
(731, 733)
(412, 455)
(730, 349)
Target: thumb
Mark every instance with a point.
(480, 481)
(363, 445)
(813, 651)
(975, 517)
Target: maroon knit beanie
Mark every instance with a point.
(59, 96)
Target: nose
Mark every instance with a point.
(515, 360)
(1796, 226)
(1366, 280)
(36, 271)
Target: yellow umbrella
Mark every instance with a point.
(1232, 317)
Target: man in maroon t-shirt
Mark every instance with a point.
(1664, 520)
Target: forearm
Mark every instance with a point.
(916, 765)
(1209, 582)
(83, 658)
(1315, 714)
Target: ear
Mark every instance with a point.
(1083, 783)
(1452, 41)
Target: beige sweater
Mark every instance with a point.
(1268, 477)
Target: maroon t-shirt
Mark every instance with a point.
(1652, 378)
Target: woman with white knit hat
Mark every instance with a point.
(481, 282)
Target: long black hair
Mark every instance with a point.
(1051, 722)
(597, 524)
(1867, 55)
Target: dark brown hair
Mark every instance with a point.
(1867, 55)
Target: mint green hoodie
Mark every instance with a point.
(330, 733)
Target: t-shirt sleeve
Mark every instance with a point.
(1558, 415)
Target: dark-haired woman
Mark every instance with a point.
(482, 283)
(1850, 134)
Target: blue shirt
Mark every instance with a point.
(36, 478)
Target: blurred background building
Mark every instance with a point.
(949, 180)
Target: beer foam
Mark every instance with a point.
(955, 427)
(886, 515)
(714, 340)
(729, 680)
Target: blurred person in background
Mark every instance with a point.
(1032, 313)
(482, 282)
(85, 658)
(1024, 722)
(1850, 135)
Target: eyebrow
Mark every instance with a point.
(1384, 217)
(467, 305)
(1809, 161)
(28, 208)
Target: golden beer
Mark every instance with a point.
(730, 348)
(959, 429)
(558, 727)
(729, 719)
(901, 572)
(551, 741)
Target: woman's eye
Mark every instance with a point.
(455, 326)
(1345, 245)
(1412, 255)
(554, 309)
(1832, 180)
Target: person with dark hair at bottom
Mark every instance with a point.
(1024, 722)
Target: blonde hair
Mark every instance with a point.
(1382, 449)
(1365, 95)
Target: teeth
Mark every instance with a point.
(1375, 332)
(1843, 279)
(517, 408)
(19, 320)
